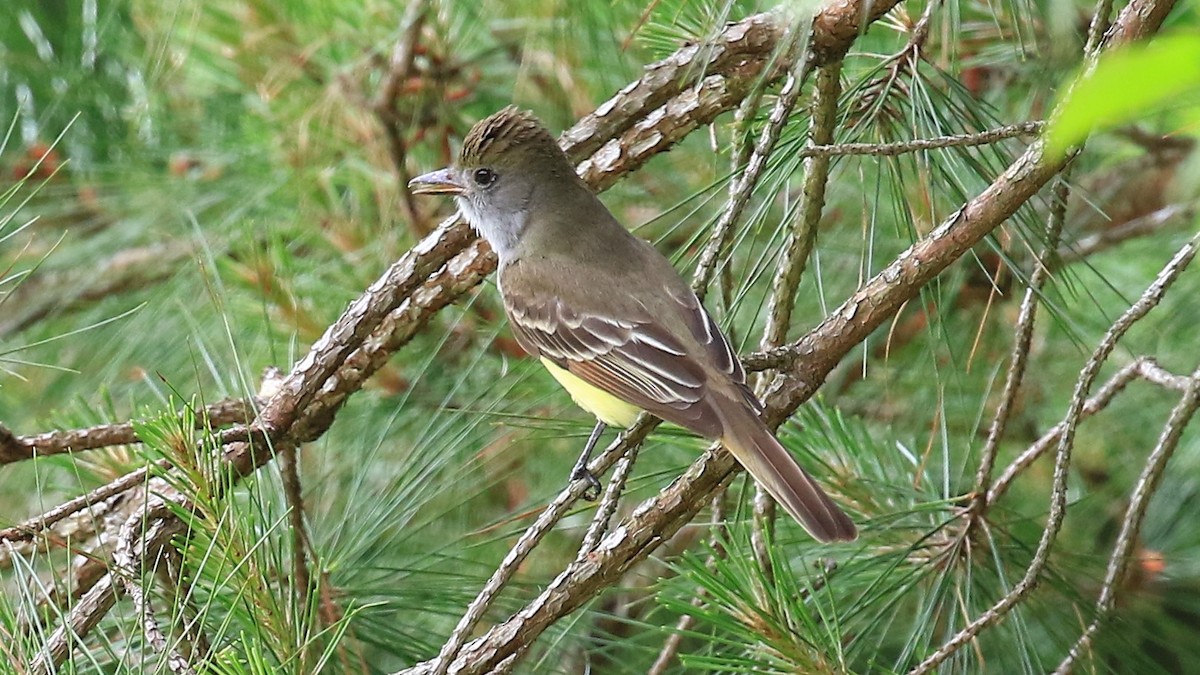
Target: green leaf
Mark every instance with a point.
(1126, 85)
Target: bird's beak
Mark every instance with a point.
(440, 182)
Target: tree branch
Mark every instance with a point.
(1058, 494)
(20, 448)
(1143, 491)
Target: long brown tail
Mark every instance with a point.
(774, 468)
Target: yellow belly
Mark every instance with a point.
(606, 407)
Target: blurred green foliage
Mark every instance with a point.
(1131, 84)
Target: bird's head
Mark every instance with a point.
(509, 166)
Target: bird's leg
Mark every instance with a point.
(592, 493)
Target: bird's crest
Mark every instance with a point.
(497, 135)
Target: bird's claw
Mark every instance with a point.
(592, 492)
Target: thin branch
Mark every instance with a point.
(84, 616)
(129, 558)
(385, 108)
(289, 460)
(91, 501)
(400, 65)
(19, 448)
(802, 236)
(1098, 28)
(193, 643)
(608, 504)
(1058, 492)
(155, 532)
(801, 239)
(1021, 129)
(529, 540)
(1143, 492)
(1148, 224)
(87, 568)
(744, 171)
(1022, 344)
(745, 182)
(920, 30)
(671, 646)
(1143, 367)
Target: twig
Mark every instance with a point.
(529, 540)
(155, 533)
(743, 185)
(30, 528)
(801, 239)
(671, 646)
(129, 558)
(922, 144)
(83, 618)
(802, 236)
(1144, 368)
(1022, 344)
(1147, 224)
(87, 567)
(19, 448)
(608, 505)
(743, 118)
(384, 106)
(1098, 28)
(713, 255)
(401, 62)
(289, 460)
(1144, 489)
(1058, 492)
(920, 30)
(752, 40)
(192, 641)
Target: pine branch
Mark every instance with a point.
(1143, 367)
(1062, 460)
(801, 239)
(1135, 514)
(1021, 349)
(15, 448)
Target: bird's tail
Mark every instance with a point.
(774, 468)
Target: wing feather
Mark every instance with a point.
(636, 360)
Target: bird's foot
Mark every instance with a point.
(592, 492)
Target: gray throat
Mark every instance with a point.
(502, 231)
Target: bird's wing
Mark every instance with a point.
(634, 358)
(716, 346)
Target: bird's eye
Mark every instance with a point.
(484, 177)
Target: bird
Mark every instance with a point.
(607, 314)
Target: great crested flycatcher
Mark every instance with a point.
(606, 313)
